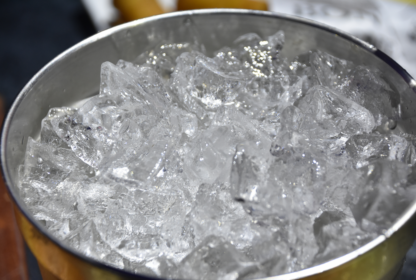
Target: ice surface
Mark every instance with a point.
(237, 166)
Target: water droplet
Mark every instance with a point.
(390, 124)
(187, 22)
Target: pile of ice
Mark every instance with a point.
(242, 165)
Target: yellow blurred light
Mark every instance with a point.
(236, 4)
(135, 9)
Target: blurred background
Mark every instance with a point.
(33, 32)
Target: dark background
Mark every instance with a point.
(32, 33)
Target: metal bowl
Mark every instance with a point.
(75, 75)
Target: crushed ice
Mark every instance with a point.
(240, 165)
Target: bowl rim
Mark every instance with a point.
(401, 221)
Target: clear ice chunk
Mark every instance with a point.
(216, 258)
(216, 213)
(324, 220)
(248, 173)
(364, 148)
(203, 162)
(50, 166)
(330, 71)
(327, 114)
(381, 194)
(48, 134)
(209, 85)
(368, 89)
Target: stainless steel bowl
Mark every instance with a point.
(74, 75)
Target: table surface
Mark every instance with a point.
(31, 34)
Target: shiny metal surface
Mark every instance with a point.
(75, 74)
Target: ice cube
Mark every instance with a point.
(209, 85)
(327, 114)
(114, 225)
(291, 119)
(248, 174)
(364, 148)
(381, 195)
(206, 159)
(257, 55)
(227, 60)
(325, 219)
(337, 238)
(330, 71)
(301, 243)
(215, 258)
(162, 57)
(268, 255)
(215, 212)
(368, 89)
(182, 86)
(162, 266)
(49, 165)
(48, 134)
